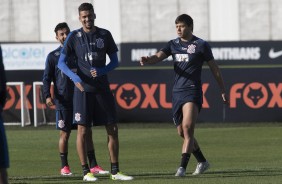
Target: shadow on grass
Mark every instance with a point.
(153, 176)
(245, 173)
(216, 174)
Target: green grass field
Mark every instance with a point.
(238, 153)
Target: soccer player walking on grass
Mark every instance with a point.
(63, 92)
(189, 53)
(93, 99)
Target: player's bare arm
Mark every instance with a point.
(79, 86)
(159, 56)
(218, 77)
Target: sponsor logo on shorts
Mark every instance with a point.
(77, 116)
(61, 123)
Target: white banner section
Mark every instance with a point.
(26, 56)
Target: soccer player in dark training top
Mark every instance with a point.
(63, 93)
(94, 103)
(189, 53)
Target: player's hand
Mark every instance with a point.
(79, 86)
(94, 72)
(49, 102)
(144, 60)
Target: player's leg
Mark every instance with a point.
(94, 167)
(3, 176)
(203, 164)
(63, 149)
(81, 144)
(113, 146)
(82, 117)
(186, 130)
(4, 156)
(106, 107)
(64, 124)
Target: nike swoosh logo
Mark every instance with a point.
(273, 55)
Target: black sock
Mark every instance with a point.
(185, 159)
(114, 168)
(92, 158)
(85, 169)
(64, 159)
(199, 155)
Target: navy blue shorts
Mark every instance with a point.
(182, 97)
(64, 120)
(4, 155)
(94, 109)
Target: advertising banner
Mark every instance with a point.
(252, 77)
(145, 95)
(26, 56)
(225, 53)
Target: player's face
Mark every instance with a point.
(87, 19)
(62, 35)
(183, 30)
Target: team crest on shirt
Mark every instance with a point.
(191, 49)
(79, 34)
(100, 43)
(57, 53)
(61, 123)
(77, 116)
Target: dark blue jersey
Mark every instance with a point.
(188, 60)
(91, 50)
(63, 86)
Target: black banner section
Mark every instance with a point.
(251, 70)
(225, 53)
(145, 95)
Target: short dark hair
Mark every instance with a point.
(60, 26)
(85, 7)
(187, 19)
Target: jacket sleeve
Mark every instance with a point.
(63, 59)
(63, 66)
(48, 76)
(109, 67)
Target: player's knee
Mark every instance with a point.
(112, 130)
(180, 131)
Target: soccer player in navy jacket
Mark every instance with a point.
(93, 99)
(63, 93)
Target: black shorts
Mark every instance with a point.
(94, 108)
(182, 97)
(64, 120)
